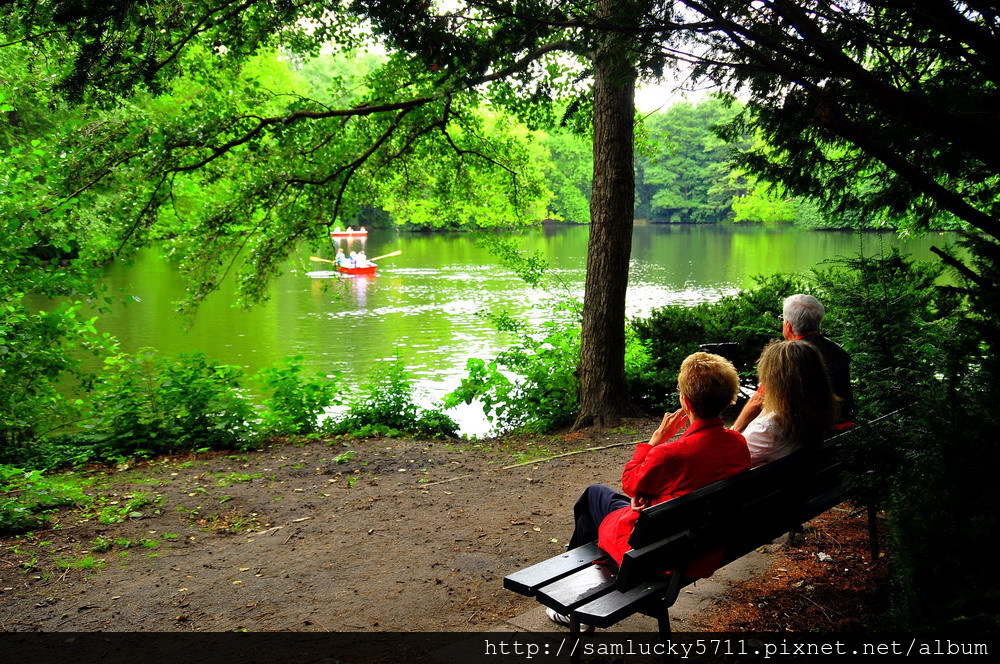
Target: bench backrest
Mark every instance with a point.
(737, 514)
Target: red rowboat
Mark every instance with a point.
(358, 233)
(369, 270)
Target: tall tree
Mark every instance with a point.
(603, 394)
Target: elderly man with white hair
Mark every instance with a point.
(801, 318)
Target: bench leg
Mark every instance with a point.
(574, 635)
(663, 615)
(663, 622)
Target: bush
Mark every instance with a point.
(295, 403)
(748, 319)
(26, 495)
(386, 407)
(530, 387)
(915, 352)
(37, 350)
(144, 406)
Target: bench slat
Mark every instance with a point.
(528, 580)
(614, 606)
(578, 588)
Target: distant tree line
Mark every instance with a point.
(687, 174)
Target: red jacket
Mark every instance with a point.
(703, 454)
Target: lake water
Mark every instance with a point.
(424, 304)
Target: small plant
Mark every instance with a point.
(85, 563)
(295, 402)
(531, 386)
(343, 457)
(234, 478)
(27, 495)
(100, 544)
(387, 408)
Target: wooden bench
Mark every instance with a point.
(738, 515)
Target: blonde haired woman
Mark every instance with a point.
(799, 407)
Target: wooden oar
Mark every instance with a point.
(317, 259)
(395, 253)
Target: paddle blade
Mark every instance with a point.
(317, 259)
(395, 253)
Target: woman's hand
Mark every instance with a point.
(669, 426)
(639, 503)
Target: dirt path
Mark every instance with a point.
(377, 535)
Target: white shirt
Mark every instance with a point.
(765, 441)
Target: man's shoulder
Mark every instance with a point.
(826, 345)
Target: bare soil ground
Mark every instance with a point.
(365, 535)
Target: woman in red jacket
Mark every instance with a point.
(663, 469)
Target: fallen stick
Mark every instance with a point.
(566, 454)
(528, 463)
(450, 479)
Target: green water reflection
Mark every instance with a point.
(423, 305)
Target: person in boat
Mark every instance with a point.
(339, 258)
(801, 318)
(361, 260)
(663, 469)
(798, 406)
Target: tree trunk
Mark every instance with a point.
(603, 396)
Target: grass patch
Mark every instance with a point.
(85, 563)
(234, 478)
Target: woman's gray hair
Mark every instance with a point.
(803, 312)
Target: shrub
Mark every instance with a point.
(294, 403)
(386, 407)
(748, 319)
(144, 406)
(915, 348)
(531, 386)
(26, 495)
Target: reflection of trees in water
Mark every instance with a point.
(349, 244)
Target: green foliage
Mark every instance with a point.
(570, 171)
(530, 268)
(43, 330)
(748, 319)
(144, 405)
(941, 522)
(916, 353)
(641, 375)
(768, 205)
(686, 178)
(26, 495)
(295, 402)
(531, 386)
(902, 332)
(386, 407)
